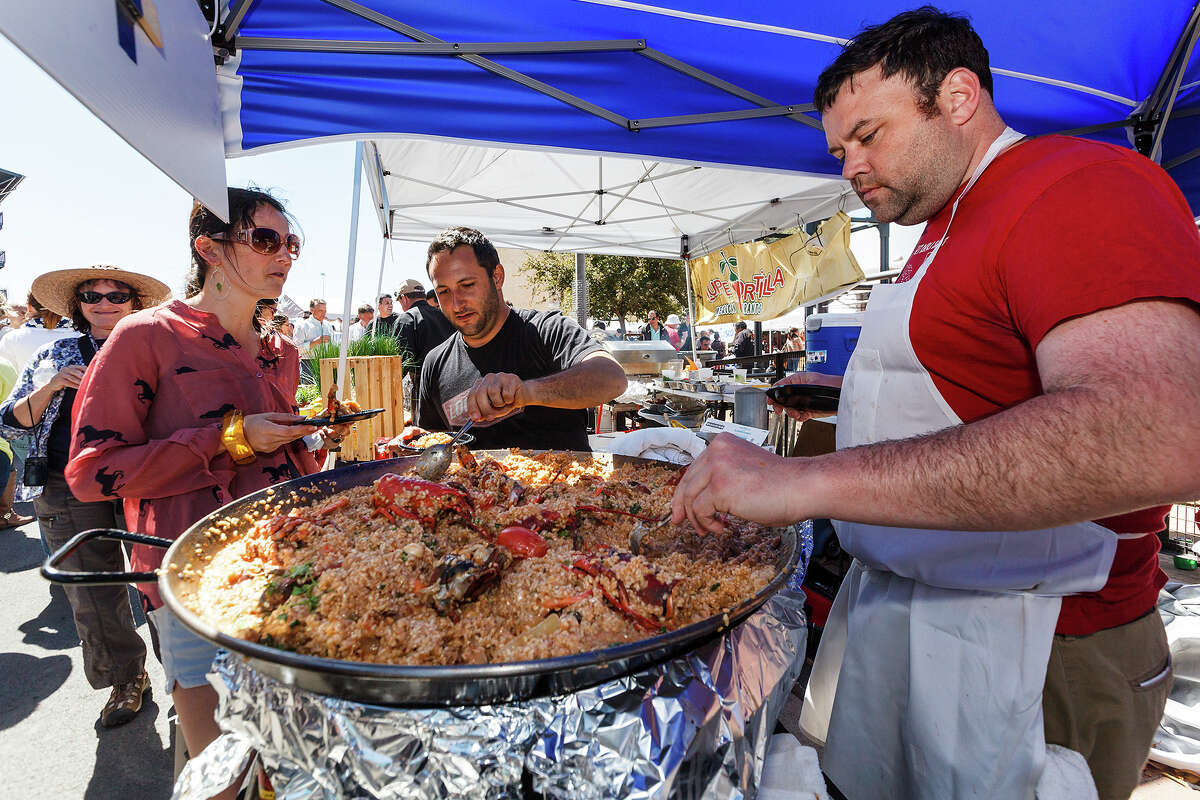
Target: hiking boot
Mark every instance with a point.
(125, 701)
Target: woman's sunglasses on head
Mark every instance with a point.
(116, 298)
(264, 240)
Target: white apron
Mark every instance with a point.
(939, 640)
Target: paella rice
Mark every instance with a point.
(430, 439)
(511, 559)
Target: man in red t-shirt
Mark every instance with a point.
(1033, 377)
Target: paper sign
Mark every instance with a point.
(755, 436)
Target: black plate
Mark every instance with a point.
(806, 396)
(466, 438)
(355, 417)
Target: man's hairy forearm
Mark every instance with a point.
(592, 382)
(1072, 455)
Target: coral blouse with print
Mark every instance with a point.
(147, 422)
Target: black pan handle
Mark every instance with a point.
(51, 572)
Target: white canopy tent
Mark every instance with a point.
(550, 199)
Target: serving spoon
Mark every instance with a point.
(434, 461)
(640, 530)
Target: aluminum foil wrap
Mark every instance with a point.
(696, 726)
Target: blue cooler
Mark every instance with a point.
(829, 339)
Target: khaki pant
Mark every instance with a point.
(113, 652)
(1104, 698)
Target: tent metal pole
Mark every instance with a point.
(233, 20)
(1160, 88)
(1156, 147)
(687, 280)
(396, 25)
(1183, 159)
(724, 85)
(716, 116)
(386, 234)
(435, 48)
(379, 286)
(347, 304)
(581, 292)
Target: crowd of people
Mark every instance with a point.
(678, 332)
(129, 409)
(1000, 506)
(418, 327)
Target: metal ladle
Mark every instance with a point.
(639, 533)
(434, 461)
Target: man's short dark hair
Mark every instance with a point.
(451, 239)
(431, 294)
(740, 325)
(365, 307)
(922, 45)
(382, 297)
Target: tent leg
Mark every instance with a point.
(687, 287)
(379, 286)
(348, 303)
(581, 296)
(387, 238)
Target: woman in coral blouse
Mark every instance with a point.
(188, 407)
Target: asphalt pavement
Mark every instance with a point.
(51, 742)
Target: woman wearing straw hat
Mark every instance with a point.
(189, 408)
(94, 299)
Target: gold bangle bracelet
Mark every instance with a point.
(233, 436)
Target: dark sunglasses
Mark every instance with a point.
(265, 240)
(116, 298)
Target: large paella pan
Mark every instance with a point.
(460, 583)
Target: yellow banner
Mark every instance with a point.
(759, 281)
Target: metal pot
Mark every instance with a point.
(399, 684)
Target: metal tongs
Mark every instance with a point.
(434, 461)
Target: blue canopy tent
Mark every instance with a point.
(701, 81)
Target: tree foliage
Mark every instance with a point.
(619, 287)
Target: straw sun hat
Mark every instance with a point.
(55, 290)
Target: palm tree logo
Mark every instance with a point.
(728, 266)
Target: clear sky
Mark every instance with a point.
(89, 198)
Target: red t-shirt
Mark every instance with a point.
(1055, 228)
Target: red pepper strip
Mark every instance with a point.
(645, 624)
(599, 509)
(585, 566)
(564, 602)
(336, 505)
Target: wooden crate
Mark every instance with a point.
(375, 382)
